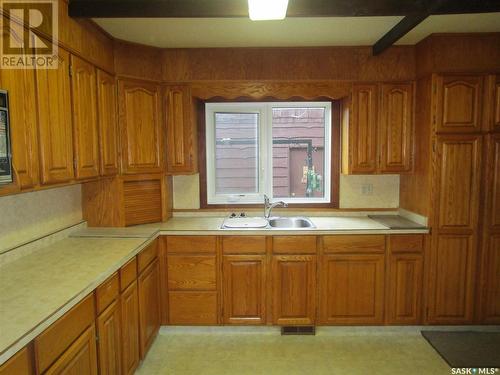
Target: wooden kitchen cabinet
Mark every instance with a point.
(452, 271)
(141, 130)
(491, 289)
(109, 344)
(84, 111)
(458, 103)
(108, 123)
(494, 114)
(181, 130)
(294, 289)
(149, 305)
(130, 329)
(351, 289)
(395, 141)
(55, 121)
(244, 289)
(21, 363)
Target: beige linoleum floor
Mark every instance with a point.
(269, 353)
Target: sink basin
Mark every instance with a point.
(290, 222)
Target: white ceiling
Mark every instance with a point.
(291, 32)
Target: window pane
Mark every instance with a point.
(236, 153)
(298, 152)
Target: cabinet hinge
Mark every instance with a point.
(74, 164)
(97, 338)
(71, 70)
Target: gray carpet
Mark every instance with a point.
(466, 349)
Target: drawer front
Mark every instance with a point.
(128, 273)
(191, 272)
(294, 244)
(192, 308)
(354, 244)
(191, 244)
(244, 244)
(51, 343)
(406, 243)
(107, 292)
(146, 256)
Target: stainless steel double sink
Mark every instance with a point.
(279, 223)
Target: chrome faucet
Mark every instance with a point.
(268, 206)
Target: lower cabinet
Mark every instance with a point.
(79, 358)
(149, 305)
(109, 343)
(294, 289)
(491, 313)
(244, 289)
(130, 329)
(20, 363)
(352, 289)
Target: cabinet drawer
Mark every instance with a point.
(354, 244)
(406, 243)
(20, 363)
(192, 308)
(52, 342)
(191, 272)
(191, 244)
(128, 273)
(107, 292)
(294, 244)
(146, 256)
(244, 245)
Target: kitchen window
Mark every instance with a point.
(278, 149)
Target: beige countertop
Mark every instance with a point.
(39, 288)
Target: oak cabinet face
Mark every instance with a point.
(491, 312)
(130, 329)
(109, 343)
(149, 305)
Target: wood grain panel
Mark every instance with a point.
(190, 244)
(148, 286)
(404, 289)
(294, 244)
(108, 123)
(354, 244)
(147, 255)
(142, 201)
(244, 289)
(128, 273)
(130, 329)
(352, 289)
(102, 203)
(244, 244)
(109, 340)
(396, 127)
(107, 292)
(459, 173)
(54, 122)
(52, 342)
(191, 272)
(192, 308)
(495, 108)
(294, 289)
(493, 167)
(21, 363)
(491, 291)
(406, 243)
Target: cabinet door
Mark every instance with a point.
(458, 179)
(79, 358)
(21, 363)
(452, 279)
(109, 343)
(493, 168)
(491, 306)
(54, 122)
(244, 285)
(458, 103)
(495, 103)
(352, 289)
(404, 289)
(130, 329)
(149, 305)
(108, 124)
(181, 143)
(20, 84)
(294, 289)
(396, 128)
(363, 129)
(84, 110)
(140, 127)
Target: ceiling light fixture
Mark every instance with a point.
(260, 10)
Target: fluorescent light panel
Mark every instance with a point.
(260, 10)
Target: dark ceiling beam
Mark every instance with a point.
(296, 8)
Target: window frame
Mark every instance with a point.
(333, 150)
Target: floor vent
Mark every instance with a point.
(301, 330)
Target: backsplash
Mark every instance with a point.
(29, 216)
(356, 191)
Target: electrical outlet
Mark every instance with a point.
(367, 189)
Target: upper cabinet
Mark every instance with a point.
(140, 126)
(181, 136)
(396, 127)
(54, 121)
(494, 108)
(84, 111)
(458, 103)
(108, 123)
